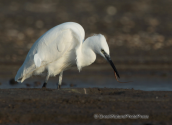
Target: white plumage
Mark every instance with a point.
(59, 49)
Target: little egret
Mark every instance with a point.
(60, 48)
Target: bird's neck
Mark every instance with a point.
(88, 55)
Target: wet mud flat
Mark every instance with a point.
(76, 106)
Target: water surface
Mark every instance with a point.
(147, 83)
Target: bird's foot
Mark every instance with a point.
(59, 86)
(44, 85)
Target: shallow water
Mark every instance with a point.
(147, 83)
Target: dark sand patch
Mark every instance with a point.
(74, 106)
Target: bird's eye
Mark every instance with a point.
(102, 50)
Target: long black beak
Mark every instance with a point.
(111, 63)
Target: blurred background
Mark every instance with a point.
(139, 32)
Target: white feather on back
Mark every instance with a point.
(37, 60)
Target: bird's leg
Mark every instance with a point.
(60, 80)
(45, 83)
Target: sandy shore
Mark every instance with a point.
(76, 106)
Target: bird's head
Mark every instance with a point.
(101, 47)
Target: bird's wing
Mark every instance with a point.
(51, 49)
(48, 48)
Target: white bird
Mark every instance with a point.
(60, 48)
